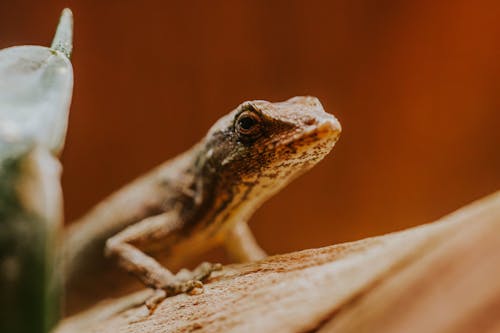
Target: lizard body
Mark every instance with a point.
(205, 196)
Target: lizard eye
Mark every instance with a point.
(247, 124)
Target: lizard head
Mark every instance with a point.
(259, 147)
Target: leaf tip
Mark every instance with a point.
(63, 39)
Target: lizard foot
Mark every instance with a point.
(201, 272)
(185, 281)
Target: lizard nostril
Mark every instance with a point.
(310, 121)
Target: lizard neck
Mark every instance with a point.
(215, 202)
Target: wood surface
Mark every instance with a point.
(439, 277)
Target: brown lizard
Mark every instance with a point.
(205, 196)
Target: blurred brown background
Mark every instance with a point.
(415, 85)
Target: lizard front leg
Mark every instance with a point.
(241, 245)
(146, 268)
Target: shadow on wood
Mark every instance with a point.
(440, 277)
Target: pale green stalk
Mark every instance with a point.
(36, 84)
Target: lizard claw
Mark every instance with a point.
(188, 280)
(204, 270)
(185, 281)
(200, 273)
(182, 287)
(155, 299)
(171, 289)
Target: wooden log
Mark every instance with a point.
(440, 277)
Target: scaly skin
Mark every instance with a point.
(204, 197)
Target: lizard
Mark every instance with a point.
(205, 196)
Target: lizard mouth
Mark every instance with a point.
(324, 128)
(328, 126)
